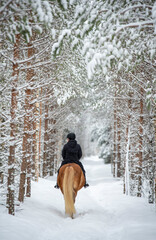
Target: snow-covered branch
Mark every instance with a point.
(144, 6)
(6, 5)
(135, 25)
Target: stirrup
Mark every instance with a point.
(86, 185)
(56, 186)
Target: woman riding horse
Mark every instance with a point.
(72, 153)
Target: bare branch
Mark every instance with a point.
(105, 10)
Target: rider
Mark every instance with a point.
(72, 153)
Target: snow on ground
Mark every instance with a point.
(103, 212)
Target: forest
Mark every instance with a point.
(80, 66)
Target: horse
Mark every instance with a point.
(70, 180)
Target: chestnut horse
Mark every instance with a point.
(70, 180)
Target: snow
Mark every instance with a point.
(38, 28)
(65, 32)
(53, 33)
(64, 3)
(103, 212)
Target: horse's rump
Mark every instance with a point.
(70, 180)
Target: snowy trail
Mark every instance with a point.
(103, 212)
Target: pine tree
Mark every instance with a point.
(13, 109)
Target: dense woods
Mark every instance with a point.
(82, 66)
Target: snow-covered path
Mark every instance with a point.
(103, 212)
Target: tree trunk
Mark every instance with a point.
(40, 126)
(45, 153)
(126, 161)
(118, 147)
(26, 159)
(26, 147)
(35, 125)
(11, 159)
(37, 138)
(140, 145)
(52, 141)
(115, 140)
(151, 163)
(53, 149)
(59, 147)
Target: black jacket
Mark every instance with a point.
(71, 151)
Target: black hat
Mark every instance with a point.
(71, 136)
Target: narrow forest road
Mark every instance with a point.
(103, 212)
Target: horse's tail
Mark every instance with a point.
(68, 191)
